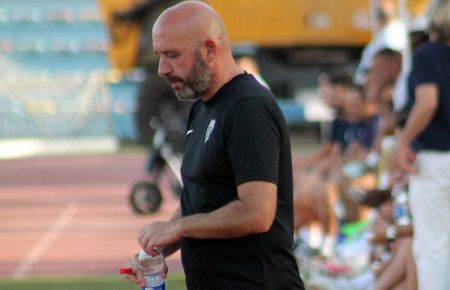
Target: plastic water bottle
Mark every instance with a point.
(152, 266)
(402, 213)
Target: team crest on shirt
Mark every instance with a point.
(210, 129)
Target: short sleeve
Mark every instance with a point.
(423, 69)
(253, 140)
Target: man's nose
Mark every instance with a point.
(163, 68)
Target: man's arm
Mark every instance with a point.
(253, 212)
(312, 159)
(421, 115)
(322, 153)
(168, 250)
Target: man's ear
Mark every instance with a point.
(211, 50)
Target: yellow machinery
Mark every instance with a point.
(124, 37)
(292, 41)
(265, 23)
(300, 22)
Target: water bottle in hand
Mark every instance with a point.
(152, 266)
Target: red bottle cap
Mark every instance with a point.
(126, 271)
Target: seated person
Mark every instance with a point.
(393, 266)
(351, 135)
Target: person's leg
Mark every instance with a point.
(430, 206)
(305, 208)
(332, 225)
(396, 270)
(411, 270)
(351, 206)
(327, 218)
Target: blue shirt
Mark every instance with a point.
(344, 133)
(431, 65)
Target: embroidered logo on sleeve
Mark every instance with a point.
(210, 129)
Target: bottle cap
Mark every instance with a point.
(126, 270)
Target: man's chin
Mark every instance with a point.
(186, 96)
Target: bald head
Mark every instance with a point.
(193, 19)
(195, 53)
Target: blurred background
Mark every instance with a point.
(80, 102)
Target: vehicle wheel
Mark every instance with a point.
(145, 198)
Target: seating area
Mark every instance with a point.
(55, 54)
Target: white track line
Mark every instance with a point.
(40, 247)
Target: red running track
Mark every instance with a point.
(69, 216)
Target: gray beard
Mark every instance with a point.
(197, 83)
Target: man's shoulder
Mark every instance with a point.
(246, 85)
(431, 49)
(243, 97)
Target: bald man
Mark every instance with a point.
(234, 225)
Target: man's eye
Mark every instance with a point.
(171, 55)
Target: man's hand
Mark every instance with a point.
(406, 158)
(137, 277)
(159, 234)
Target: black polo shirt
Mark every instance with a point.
(239, 135)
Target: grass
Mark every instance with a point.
(174, 282)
